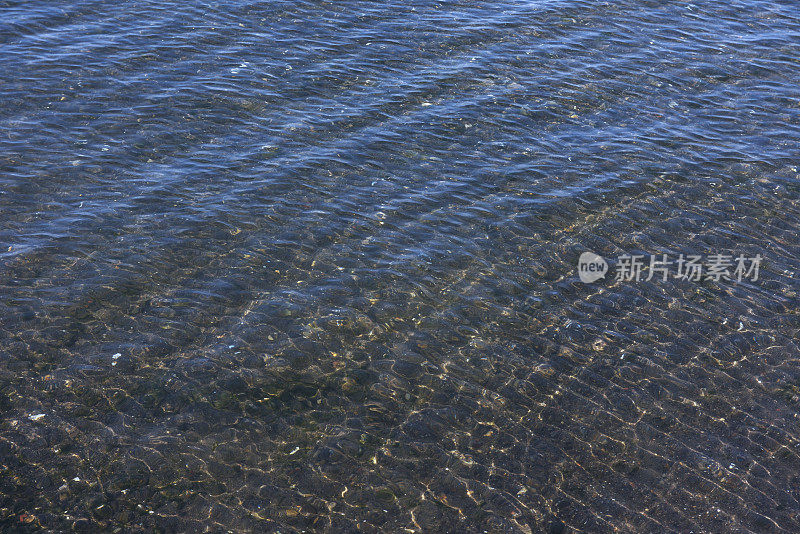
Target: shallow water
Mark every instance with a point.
(285, 266)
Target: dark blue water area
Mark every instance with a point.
(312, 266)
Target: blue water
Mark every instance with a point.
(311, 266)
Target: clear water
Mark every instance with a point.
(285, 266)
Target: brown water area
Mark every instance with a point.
(311, 266)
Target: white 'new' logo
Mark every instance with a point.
(591, 267)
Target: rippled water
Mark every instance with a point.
(309, 265)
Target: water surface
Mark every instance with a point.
(285, 266)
